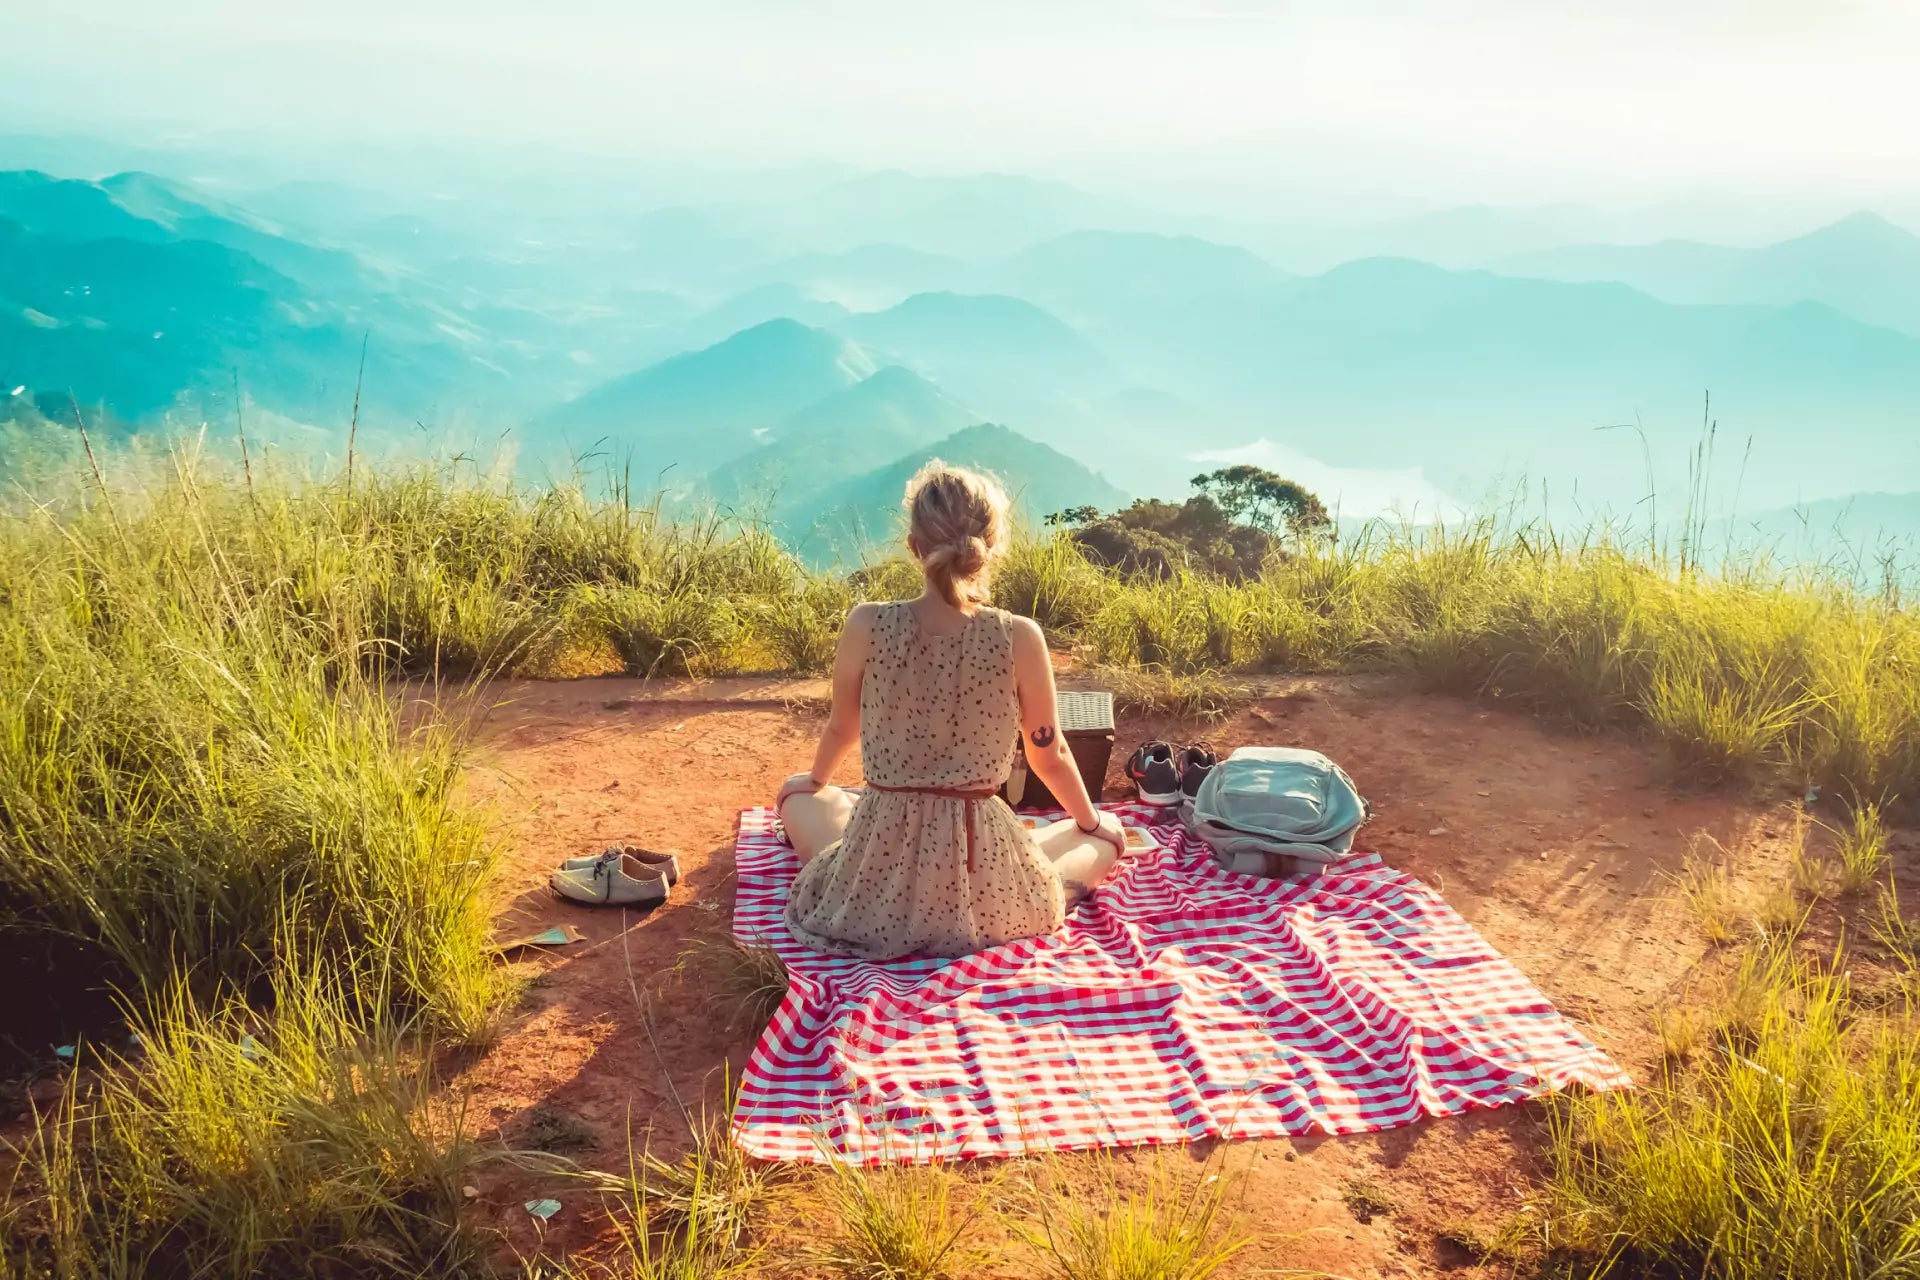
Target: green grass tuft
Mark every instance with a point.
(1155, 1231)
(746, 980)
(1791, 1147)
(303, 1143)
(898, 1224)
(1860, 847)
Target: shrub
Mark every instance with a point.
(663, 632)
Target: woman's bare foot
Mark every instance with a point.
(1082, 858)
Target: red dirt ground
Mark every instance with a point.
(1556, 847)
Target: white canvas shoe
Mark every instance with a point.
(624, 881)
(668, 864)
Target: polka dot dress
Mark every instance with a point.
(944, 712)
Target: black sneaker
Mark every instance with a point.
(1196, 762)
(1154, 774)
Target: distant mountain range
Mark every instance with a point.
(768, 353)
(973, 216)
(1089, 271)
(133, 328)
(1862, 265)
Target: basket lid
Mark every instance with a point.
(1082, 711)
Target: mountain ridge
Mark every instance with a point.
(889, 413)
(1863, 265)
(702, 408)
(862, 512)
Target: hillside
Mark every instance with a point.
(1862, 265)
(141, 296)
(143, 207)
(136, 326)
(781, 301)
(891, 413)
(696, 411)
(849, 519)
(982, 345)
(1151, 302)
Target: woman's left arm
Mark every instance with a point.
(843, 718)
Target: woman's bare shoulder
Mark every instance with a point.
(863, 616)
(1025, 631)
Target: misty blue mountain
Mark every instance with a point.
(1862, 265)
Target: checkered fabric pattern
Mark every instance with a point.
(1178, 1003)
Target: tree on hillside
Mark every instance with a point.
(1241, 517)
(1266, 501)
(1157, 539)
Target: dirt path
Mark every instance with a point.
(1556, 847)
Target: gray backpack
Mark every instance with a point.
(1284, 801)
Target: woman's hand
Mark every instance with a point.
(1107, 827)
(800, 784)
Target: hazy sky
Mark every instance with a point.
(1497, 100)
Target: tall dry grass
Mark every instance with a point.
(1734, 676)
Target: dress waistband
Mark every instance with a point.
(949, 793)
(944, 793)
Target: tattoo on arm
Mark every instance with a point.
(1042, 736)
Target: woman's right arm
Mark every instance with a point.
(843, 717)
(1046, 746)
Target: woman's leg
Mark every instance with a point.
(815, 820)
(1083, 861)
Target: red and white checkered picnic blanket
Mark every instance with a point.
(1180, 1002)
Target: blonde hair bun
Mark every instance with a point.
(956, 522)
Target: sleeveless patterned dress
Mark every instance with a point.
(918, 872)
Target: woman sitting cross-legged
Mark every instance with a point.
(938, 690)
